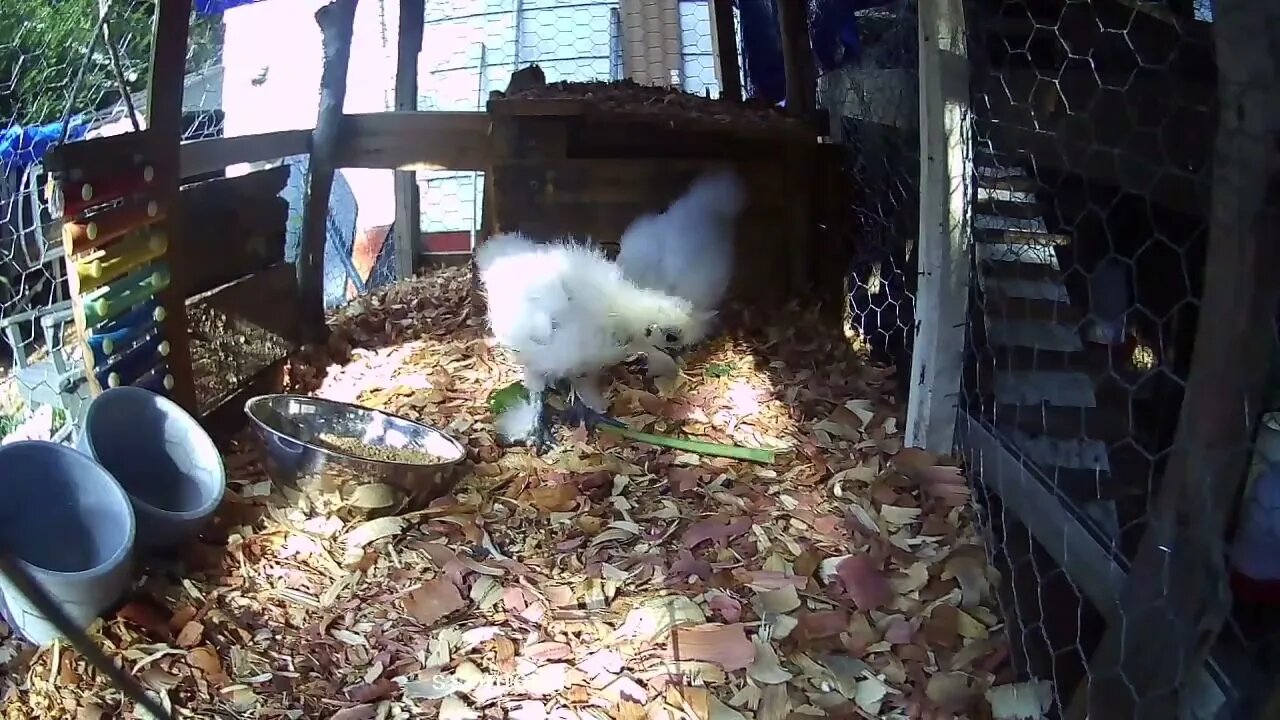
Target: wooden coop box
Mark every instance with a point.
(586, 159)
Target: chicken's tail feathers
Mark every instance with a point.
(721, 191)
(501, 246)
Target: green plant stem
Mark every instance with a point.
(757, 455)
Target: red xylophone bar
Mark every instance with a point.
(77, 196)
(101, 228)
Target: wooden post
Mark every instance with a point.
(724, 44)
(164, 120)
(1177, 599)
(802, 85)
(337, 23)
(408, 227)
(946, 169)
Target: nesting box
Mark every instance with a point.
(585, 159)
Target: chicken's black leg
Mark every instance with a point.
(544, 431)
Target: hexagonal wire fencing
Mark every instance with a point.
(68, 71)
(471, 48)
(1110, 431)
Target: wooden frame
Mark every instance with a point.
(337, 24)
(408, 225)
(724, 46)
(946, 169)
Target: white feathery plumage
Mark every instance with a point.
(566, 311)
(688, 249)
(519, 422)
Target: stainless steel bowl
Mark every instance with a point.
(333, 482)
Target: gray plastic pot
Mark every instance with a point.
(70, 524)
(162, 458)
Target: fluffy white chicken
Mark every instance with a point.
(687, 251)
(566, 311)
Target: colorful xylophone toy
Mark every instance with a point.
(116, 268)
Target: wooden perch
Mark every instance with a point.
(337, 23)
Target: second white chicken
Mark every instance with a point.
(688, 249)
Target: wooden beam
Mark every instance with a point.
(946, 172)
(1037, 503)
(203, 156)
(337, 21)
(408, 226)
(797, 57)
(1177, 598)
(724, 45)
(415, 140)
(164, 121)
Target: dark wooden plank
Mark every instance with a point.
(1015, 183)
(164, 120)
(537, 107)
(1021, 237)
(1012, 308)
(336, 20)
(598, 199)
(268, 299)
(408, 224)
(797, 57)
(415, 140)
(1009, 209)
(1129, 169)
(1020, 271)
(1177, 597)
(227, 418)
(204, 156)
(103, 155)
(724, 44)
(233, 227)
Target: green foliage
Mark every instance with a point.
(43, 44)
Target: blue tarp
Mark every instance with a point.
(217, 7)
(22, 146)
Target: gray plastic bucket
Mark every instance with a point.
(162, 458)
(71, 526)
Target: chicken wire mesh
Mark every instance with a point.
(72, 69)
(471, 48)
(1095, 200)
(868, 58)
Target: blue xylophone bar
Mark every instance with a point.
(133, 363)
(120, 334)
(158, 380)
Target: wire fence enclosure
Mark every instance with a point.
(1120, 335)
(1058, 224)
(73, 71)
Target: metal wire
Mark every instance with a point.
(38, 597)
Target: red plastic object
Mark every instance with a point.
(1254, 591)
(101, 228)
(77, 196)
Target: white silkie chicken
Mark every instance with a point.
(687, 251)
(567, 312)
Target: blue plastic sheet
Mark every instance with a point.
(21, 146)
(217, 7)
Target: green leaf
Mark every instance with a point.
(504, 399)
(719, 370)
